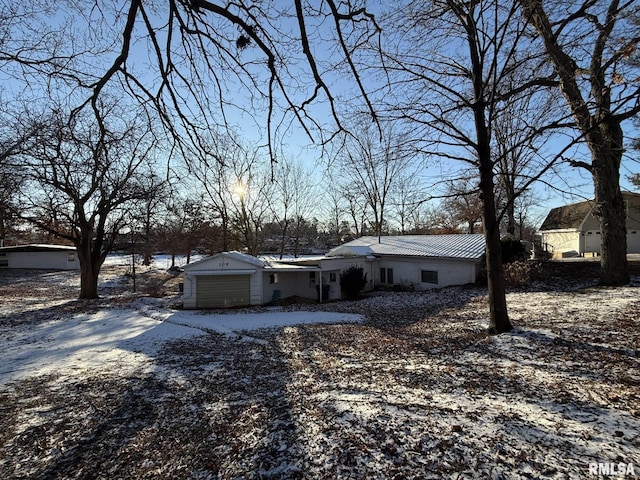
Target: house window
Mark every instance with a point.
(273, 278)
(430, 276)
(4, 260)
(71, 257)
(386, 275)
(332, 277)
(312, 279)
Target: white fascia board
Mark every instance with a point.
(220, 272)
(292, 268)
(559, 230)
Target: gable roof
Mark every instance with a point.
(242, 257)
(571, 216)
(459, 246)
(567, 217)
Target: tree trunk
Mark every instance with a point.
(498, 316)
(89, 271)
(605, 143)
(604, 137)
(3, 232)
(511, 215)
(283, 239)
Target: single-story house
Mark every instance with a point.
(416, 262)
(573, 230)
(46, 257)
(234, 279)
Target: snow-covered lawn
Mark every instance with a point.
(397, 385)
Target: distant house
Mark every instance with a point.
(574, 230)
(416, 262)
(46, 257)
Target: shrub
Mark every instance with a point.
(513, 251)
(352, 281)
(520, 273)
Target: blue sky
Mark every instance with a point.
(294, 142)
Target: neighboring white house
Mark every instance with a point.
(573, 230)
(46, 257)
(416, 262)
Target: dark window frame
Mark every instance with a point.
(429, 276)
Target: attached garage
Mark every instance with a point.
(222, 291)
(225, 280)
(235, 279)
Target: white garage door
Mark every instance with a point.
(633, 241)
(592, 242)
(219, 291)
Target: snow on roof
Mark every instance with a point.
(38, 248)
(276, 265)
(242, 257)
(463, 246)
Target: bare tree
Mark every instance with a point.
(407, 199)
(251, 191)
(296, 195)
(357, 209)
(370, 167)
(80, 179)
(592, 46)
(17, 134)
(519, 148)
(146, 213)
(449, 89)
(463, 203)
(182, 227)
(197, 63)
(238, 191)
(334, 211)
(216, 176)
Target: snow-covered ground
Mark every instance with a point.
(397, 385)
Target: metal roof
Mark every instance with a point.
(38, 248)
(459, 246)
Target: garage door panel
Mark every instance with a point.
(219, 291)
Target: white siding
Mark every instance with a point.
(408, 272)
(592, 242)
(65, 260)
(290, 284)
(561, 241)
(633, 241)
(224, 264)
(339, 265)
